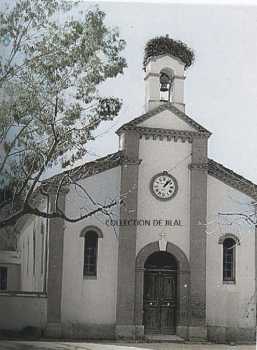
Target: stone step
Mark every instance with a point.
(163, 338)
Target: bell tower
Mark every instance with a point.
(164, 81)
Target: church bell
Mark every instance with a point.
(165, 82)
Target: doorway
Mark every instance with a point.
(160, 294)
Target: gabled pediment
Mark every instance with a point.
(165, 116)
(166, 119)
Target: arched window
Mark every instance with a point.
(90, 254)
(229, 252)
(3, 278)
(91, 235)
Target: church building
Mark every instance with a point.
(175, 256)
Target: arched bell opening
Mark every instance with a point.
(166, 84)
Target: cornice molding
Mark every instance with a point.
(232, 179)
(90, 168)
(165, 106)
(131, 161)
(150, 74)
(198, 166)
(168, 134)
(181, 77)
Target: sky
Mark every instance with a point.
(220, 88)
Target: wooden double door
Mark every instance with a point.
(160, 294)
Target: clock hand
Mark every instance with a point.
(166, 183)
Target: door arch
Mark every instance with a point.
(183, 284)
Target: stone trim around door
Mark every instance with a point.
(183, 285)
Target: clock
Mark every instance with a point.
(164, 186)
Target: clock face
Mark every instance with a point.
(164, 186)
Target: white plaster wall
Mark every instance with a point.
(20, 311)
(152, 89)
(229, 305)
(178, 91)
(25, 244)
(174, 157)
(91, 301)
(166, 61)
(32, 279)
(166, 120)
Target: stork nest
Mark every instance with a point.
(164, 45)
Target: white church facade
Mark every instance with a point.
(173, 257)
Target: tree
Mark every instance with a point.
(50, 79)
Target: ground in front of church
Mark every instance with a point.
(42, 345)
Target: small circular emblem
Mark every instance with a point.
(164, 186)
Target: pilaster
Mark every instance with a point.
(125, 327)
(55, 269)
(198, 212)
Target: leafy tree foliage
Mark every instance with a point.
(50, 77)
